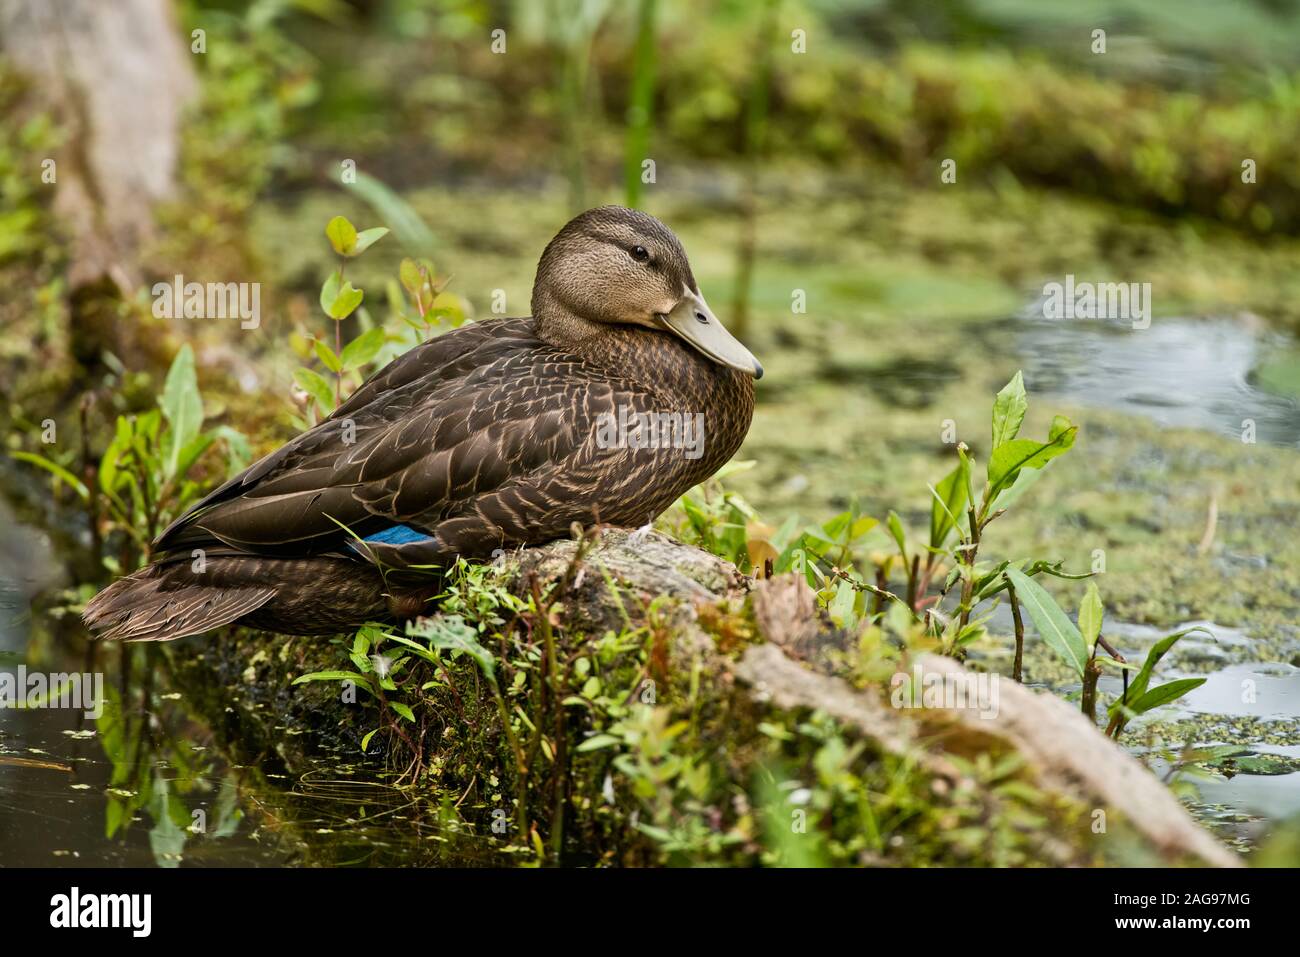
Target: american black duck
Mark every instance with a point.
(620, 392)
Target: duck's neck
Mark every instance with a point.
(620, 349)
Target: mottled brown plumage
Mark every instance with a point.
(489, 437)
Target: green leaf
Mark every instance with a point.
(1143, 678)
(315, 386)
(1009, 458)
(58, 471)
(1165, 693)
(327, 357)
(896, 530)
(1024, 481)
(404, 710)
(1052, 623)
(409, 273)
(598, 741)
(840, 608)
(452, 633)
(190, 454)
(346, 303)
(1009, 410)
(342, 236)
(329, 290)
(182, 406)
(365, 741)
(949, 501)
(367, 238)
(860, 526)
(1091, 612)
(363, 349)
(329, 676)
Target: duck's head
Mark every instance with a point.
(615, 266)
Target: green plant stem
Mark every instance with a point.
(968, 585)
(1089, 698)
(1017, 667)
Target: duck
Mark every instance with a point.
(620, 392)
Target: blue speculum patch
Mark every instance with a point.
(398, 535)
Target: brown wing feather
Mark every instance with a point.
(492, 425)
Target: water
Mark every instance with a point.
(1209, 374)
(149, 783)
(1186, 373)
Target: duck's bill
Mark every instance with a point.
(694, 321)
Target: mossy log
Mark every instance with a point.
(739, 663)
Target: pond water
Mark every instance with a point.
(148, 783)
(1211, 374)
(151, 784)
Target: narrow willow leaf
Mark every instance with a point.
(1052, 623)
(1009, 410)
(1091, 612)
(1143, 678)
(404, 710)
(190, 454)
(328, 676)
(58, 471)
(1165, 693)
(896, 530)
(1006, 462)
(1023, 483)
(182, 406)
(950, 501)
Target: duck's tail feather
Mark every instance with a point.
(165, 601)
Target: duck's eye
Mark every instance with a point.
(640, 254)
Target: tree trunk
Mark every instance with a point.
(116, 75)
